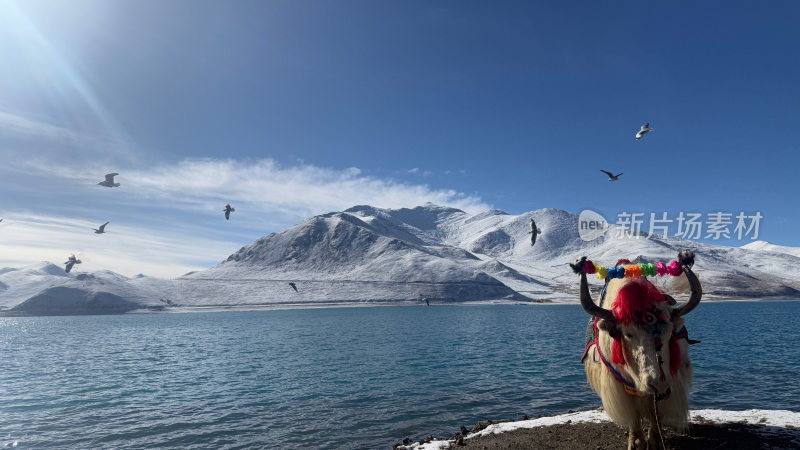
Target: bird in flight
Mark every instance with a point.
(71, 261)
(109, 181)
(645, 129)
(611, 176)
(100, 230)
(534, 231)
(228, 210)
(294, 286)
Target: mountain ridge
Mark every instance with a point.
(369, 255)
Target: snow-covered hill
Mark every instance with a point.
(373, 255)
(45, 289)
(352, 256)
(765, 246)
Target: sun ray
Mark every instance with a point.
(48, 61)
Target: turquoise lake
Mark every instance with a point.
(345, 378)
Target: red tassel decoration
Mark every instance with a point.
(636, 297)
(617, 357)
(674, 356)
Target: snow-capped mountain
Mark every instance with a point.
(354, 256)
(45, 289)
(373, 255)
(368, 254)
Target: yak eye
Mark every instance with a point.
(629, 335)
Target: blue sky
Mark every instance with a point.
(288, 109)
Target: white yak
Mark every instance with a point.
(639, 362)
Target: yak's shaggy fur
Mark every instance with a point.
(636, 357)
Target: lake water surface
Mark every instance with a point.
(345, 378)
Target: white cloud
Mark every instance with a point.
(28, 238)
(302, 190)
(264, 186)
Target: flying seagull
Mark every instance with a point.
(100, 230)
(294, 286)
(611, 176)
(534, 231)
(228, 210)
(645, 129)
(71, 261)
(109, 181)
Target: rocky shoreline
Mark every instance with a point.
(593, 430)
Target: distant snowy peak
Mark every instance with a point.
(426, 217)
(357, 236)
(765, 246)
(365, 254)
(425, 223)
(47, 268)
(45, 289)
(328, 243)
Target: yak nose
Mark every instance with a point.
(658, 388)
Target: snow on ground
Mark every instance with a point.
(769, 418)
(577, 417)
(773, 418)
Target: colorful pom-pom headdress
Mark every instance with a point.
(624, 269)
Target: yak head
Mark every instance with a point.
(640, 334)
(639, 327)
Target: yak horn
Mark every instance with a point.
(686, 259)
(589, 305)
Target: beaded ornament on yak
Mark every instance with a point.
(632, 270)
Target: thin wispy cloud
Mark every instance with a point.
(418, 171)
(129, 250)
(57, 144)
(23, 126)
(265, 186)
(300, 190)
